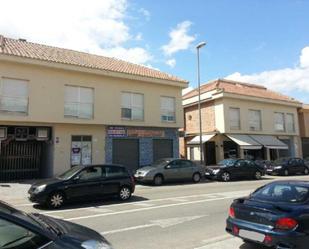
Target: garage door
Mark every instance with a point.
(162, 148)
(126, 152)
(20, 160)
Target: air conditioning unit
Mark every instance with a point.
(3, 133)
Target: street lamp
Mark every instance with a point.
(200, 45)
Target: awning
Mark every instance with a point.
(245, 142)
(205, 138)
(270, 142)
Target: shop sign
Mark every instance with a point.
(116, 131)
(145, 133)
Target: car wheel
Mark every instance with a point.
(286, 172)
(226, 176)
(306, 171)
(56, 200)
(196, 177)
(125, 193)
(158, 180)
(257, 175)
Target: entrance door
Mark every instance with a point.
(126, 152)
(210, 149)
(162, 148)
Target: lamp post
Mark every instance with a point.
(198, 47)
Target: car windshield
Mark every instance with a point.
(282, 192)
(281, 161)
(160, 162)
(71, 172)
(227, 162)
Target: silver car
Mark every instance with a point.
(169, 169)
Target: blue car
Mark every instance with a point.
(275, 215)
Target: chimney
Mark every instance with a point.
(22, 39)
(2, 43)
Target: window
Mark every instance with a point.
(111, 172)
(81, 150)
(255, 120)
(279, 121)
(287, 193)
(234, 115)
(92, 173)
(132, 106)
(168, 109)
(14, 95)
(78, 102)
(290, 125)
(15, 236)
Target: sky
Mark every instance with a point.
(258, 41)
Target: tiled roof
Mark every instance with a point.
(229, 86)
(22, 48)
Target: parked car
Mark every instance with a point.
(288, 166)
(20, 230)
(231, 169)
(265, 164)
(83, 182)
(275, 215)
(169, 169)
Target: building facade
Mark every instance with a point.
(240, 120)
(60, 108)
(304, 129)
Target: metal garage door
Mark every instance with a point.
(162, 148)
(126, 152)
(20, 160)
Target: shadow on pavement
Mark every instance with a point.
(93, 203)
(252, 246)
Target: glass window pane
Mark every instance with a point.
(85, 110)
(290, 122)
(126, 100)
(137, 114)
(279, 121)
(126, 113)
(255, 120)
(137, 100)
(234, 115)
(14, 88)
(86, 95)
(71, 94)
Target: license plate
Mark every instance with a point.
(269, 170)
(207, 173)
(251, 235)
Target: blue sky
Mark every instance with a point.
(258, 41)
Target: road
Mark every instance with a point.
(182, 216)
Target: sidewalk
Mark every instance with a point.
(15, 193)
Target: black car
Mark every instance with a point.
(83, 182)
(288, 166)
(19, 230)
(275, 215)
(264, 164)
(231, 169)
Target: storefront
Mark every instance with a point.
(139, 146)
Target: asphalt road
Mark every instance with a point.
(182, 216)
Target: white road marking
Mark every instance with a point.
(164, 223)
(24, 205)
(217, 195)
(146, 208)
(142, 204)
(222, 243)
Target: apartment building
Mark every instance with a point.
(240, 120)
(60, 108)
(304, 129)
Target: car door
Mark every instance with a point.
(172, 171)
(292, 166)
(300, 166)
(87, 184)
(113, 175)
(239, 169)
(186, 169)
